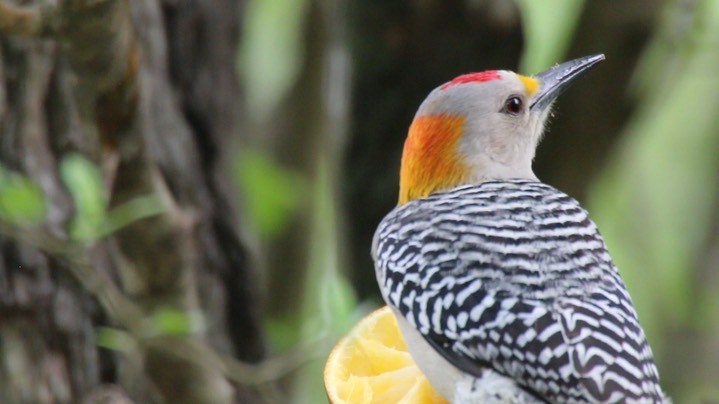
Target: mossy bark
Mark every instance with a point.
(146, 90)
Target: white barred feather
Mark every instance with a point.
(513, 276)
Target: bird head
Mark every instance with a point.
(481, 126)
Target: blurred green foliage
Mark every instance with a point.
(330, 307)
(164, 321)
(656, 201)
(272, 194)
(171, 321)
(271, 52)
(21, 201)
(135, 209)
(92, 220)
(270, 57)
(84, 182)
(114, 339)
(548, 29)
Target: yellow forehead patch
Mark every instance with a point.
(530, 84)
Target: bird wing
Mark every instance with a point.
(513, 275)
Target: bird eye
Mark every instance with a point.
(513, 105)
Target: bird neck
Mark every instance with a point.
(430, 159)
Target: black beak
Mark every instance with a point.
(553, 81)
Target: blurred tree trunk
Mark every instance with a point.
(401, 51)
(297, 139)
(305, 134)
(146, 90)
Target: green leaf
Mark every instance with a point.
(172, 321)
(84, 182)
(21, 201)
(114, 339)
(133, 210)
(271, 194)
(283, 331)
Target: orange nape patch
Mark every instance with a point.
(430, 161)
(530, 84)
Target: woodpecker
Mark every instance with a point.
(502, 286)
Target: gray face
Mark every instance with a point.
(500, 132)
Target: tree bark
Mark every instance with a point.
(147, 91)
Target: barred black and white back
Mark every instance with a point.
(513, 276)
